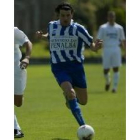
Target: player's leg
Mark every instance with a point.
(116, 62)
(115, 79)
(81, 94)
(107, 78)
(106, 68)
(18, 100)
(72, 100)
(17, 130)
(20, 77)
(79, 84)
(16, 125)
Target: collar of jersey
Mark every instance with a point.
(110, 25)
(58, 22)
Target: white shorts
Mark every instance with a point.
(20, 77)
(111, 57)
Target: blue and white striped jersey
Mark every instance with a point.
(67, 43)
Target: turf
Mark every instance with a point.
(44, 115)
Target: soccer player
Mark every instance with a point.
(113, 37)
(66, 41)
(20, 75)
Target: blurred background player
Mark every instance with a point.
(66, 41)
(20, 75)
(113, 37)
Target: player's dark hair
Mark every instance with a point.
(112, 13)
(64, 6)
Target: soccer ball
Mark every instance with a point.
(85, 132)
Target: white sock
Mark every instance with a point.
(107, 78)
(16, 125)
(116, 80)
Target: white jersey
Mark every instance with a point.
(111, 35)
(20, 75)
(19, 39)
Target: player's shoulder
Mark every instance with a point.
(78, 26)
(54, 22)
(118, 26)
(16, 29)
(105, 25)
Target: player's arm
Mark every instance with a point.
(25, 62)
(87, 39)
(95, 46)
(123, 44)
(41, 35)
(123, 40)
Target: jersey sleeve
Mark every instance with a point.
(100, 33)
(84, 35)
(20, 37)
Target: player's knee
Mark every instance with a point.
(116, 69)
(106, 71)
(71, 94)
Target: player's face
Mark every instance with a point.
(111, 19)
(65, 17)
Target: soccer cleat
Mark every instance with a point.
(107, 86)
(113, 90)
(18, 133)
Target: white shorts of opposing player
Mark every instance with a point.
(111, 57)
(20, 77)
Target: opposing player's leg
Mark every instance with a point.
(17, 130)
(16, 125)
(107, 79)
(19, 86)
(72, 100)
(115, 79)
(116, 63)
(18, 100)
(106, 67)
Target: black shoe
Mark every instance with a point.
(18, 133)
(107, 86)
(113, 90)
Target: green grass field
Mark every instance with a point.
(44, 115)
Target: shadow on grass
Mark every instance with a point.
(59, 139)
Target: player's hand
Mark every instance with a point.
(98, 44)
(24, 63)
(39, 34)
